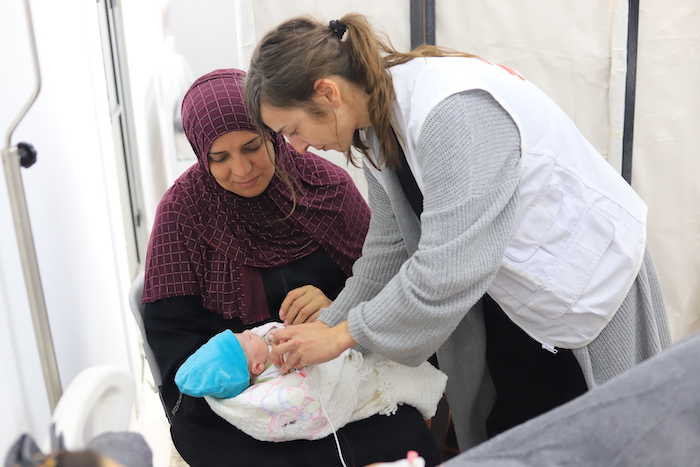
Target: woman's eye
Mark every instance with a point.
(218, 160)
(252, 149)
(293, 133)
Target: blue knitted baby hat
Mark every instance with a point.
(218, 368)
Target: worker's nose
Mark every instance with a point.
(298, 144)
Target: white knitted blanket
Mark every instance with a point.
(312, 403)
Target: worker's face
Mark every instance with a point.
(332, 130)
(242, 162)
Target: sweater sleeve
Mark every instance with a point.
(383, 253)
(469, 150)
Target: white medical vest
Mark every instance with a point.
(580, 230)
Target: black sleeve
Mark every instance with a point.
(175, 328)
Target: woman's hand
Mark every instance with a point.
(308, 344)
(303, 305)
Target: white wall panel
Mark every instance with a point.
(666, 166)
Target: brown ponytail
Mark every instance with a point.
(292, 57)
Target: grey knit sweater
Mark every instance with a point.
(415, 287)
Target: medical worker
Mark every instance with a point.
(499, 237)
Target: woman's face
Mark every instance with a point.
(333, 131)
(242, 162)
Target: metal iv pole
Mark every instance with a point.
(12, 158)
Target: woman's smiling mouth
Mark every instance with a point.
(249, 183)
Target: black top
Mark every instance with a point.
(279, 281)
(529, 380)
(408, 182)
(178, 326)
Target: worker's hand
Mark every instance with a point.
(303, 305)
(301, 345)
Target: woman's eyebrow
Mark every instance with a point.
(254, 140)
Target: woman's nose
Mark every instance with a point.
(298, 144)
(240, 166)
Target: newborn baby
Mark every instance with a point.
(232, 373)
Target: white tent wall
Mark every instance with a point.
(666, 163)
(392, 17)
(564, 47)
(193, 22)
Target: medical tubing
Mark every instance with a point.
(323, 409)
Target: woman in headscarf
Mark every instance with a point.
(252, 230)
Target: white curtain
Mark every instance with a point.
(666, 166)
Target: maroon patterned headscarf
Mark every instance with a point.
(210, 242)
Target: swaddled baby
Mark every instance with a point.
(232, 373)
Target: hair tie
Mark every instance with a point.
(338, 28)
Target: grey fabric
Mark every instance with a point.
(649, 416)
(470, 391)
(639, 330)
(416, 280)
(128, 448)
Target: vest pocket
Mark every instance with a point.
(553, 253)
(574, 267)
(536, 224)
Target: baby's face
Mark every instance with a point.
(254, 347)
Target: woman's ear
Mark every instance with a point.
(327, 92)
